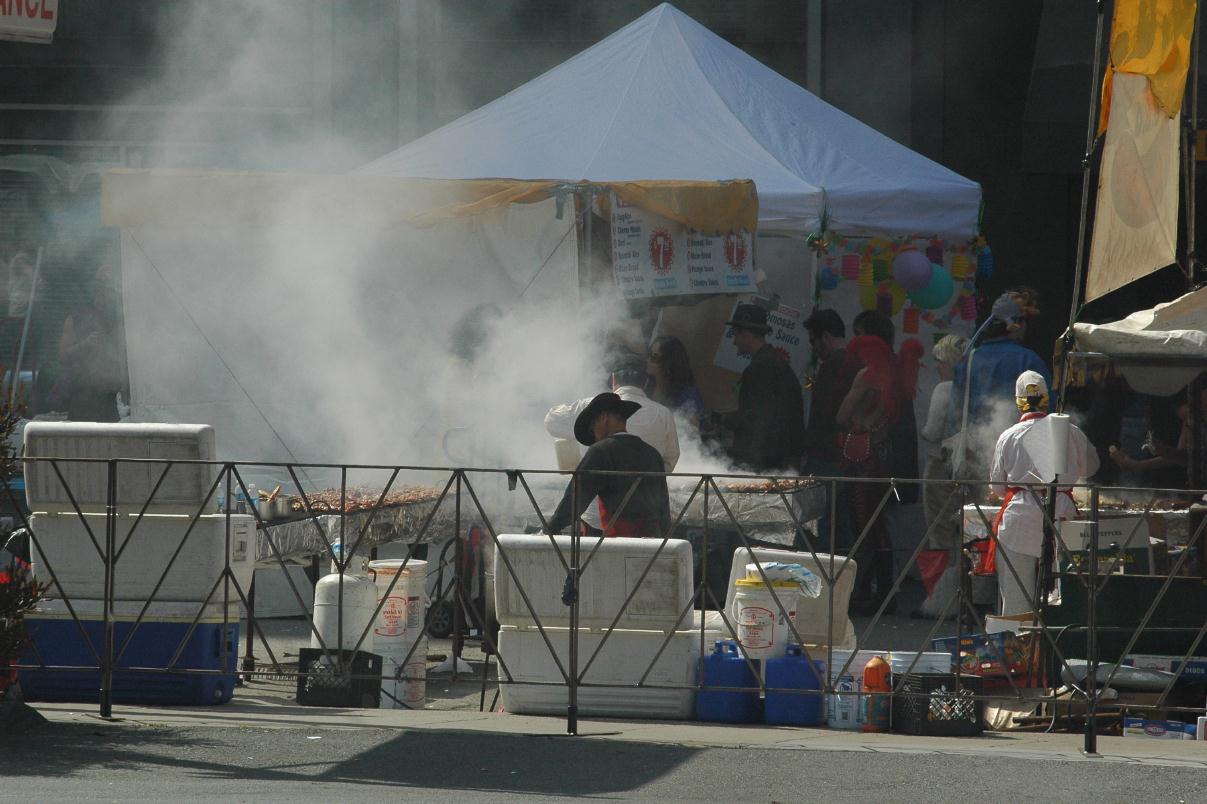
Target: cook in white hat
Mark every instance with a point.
(1020, 521)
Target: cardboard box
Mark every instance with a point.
(1195, 670)
(985, 654)
(1158, 729)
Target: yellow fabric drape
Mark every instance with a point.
(1151, 38)
(132, 197)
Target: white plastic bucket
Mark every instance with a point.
(397, 627)
(761, 626)
(844, 709)
(359, 601)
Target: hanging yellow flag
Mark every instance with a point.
(1151, 38)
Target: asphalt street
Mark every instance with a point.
(103, 762)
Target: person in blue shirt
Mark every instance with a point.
(982, 399)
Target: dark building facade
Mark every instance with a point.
(995, 91)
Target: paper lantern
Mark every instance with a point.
(865, 275)
(909, 323)
(895, 294)
(850, 266)
(968, 307)
(911, 269)
(880, 270)
(984, 264)
(937, 291)
(959, 267)
(829, 279)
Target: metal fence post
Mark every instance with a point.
(1091, 637)
(572, 584)
(106, 691)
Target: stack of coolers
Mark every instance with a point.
(646, 667)
(175, 609)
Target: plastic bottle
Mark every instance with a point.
(876, 679)
(253, 498)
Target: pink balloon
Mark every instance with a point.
(911, 269)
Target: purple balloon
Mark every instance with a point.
(911, 269)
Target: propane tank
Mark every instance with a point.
(359, 604)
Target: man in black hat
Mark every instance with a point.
(769, 424)
(611, 448)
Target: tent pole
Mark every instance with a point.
(29, 309)
(1087, 164)
(1191, 127)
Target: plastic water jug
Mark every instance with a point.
(726, 667)
(876, 679)
(794, 671)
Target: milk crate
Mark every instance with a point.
(941, 705)
(322, 680)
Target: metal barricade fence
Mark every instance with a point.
(452, 498)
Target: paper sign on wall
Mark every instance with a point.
(655, 256)
(787, 336)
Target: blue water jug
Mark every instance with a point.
(794, 672)
(726, 667)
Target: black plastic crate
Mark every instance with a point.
(323, 679)
(942, 705)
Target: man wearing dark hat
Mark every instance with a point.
(769, 424)
(611, 448)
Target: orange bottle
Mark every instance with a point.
(876, 707)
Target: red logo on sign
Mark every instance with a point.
(735, 250)
(662, 251)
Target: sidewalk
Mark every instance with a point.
(260, 712)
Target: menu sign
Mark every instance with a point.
(654, 256)
(787, 336)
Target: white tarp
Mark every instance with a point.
(1136, 217)
(341, 337)
(1175, 329)
(665, 98)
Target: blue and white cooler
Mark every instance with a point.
(175, 606)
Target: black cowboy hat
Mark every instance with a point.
(751, 317)
(604, 403)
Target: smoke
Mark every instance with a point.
(331, 341)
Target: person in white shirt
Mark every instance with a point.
(653, 423)
(1020, 522)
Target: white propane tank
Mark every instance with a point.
(360, 601)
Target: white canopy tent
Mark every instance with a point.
(1173, 334)
(665, 98)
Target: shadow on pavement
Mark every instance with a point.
(451, 760)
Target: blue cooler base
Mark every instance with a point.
(58, 642)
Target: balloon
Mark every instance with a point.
(911, 269)
(936, 292)
(867, 298)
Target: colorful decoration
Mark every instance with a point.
(909, 322)
(880, 270)
(911, 269)
(865, 274)
(934, 252)
(959, 267)
(829, 279)
(869, 297)
(818, 242)
(984, 264)
(937, 291)
(850, 266)
(968, 307)
(895, 295)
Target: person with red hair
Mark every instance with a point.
(880, 395)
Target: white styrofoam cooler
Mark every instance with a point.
(624, 659)
(183, 490)
(810, 612)
(61, 543)
(610, 576)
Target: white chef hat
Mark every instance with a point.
(1030, 383)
